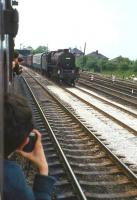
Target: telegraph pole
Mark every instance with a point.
(84, 48)
(84, 59)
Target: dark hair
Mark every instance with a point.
(17, 122)
(16, 54)
(20, 59)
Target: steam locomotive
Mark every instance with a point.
(57, 65)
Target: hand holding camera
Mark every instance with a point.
(31, 144)
(34, 151)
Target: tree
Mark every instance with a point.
(40, 49)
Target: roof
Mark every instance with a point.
(97, 55)
(24, 52)
(76, 51)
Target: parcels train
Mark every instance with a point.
(58, 65)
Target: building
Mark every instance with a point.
(76, 52)
(97, 55)
(23, 52)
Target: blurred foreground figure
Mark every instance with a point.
(17, 127)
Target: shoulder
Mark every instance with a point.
(14, 181)
(13, 174)
(11, 167)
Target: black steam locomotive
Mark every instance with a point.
(57, 65)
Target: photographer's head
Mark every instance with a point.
(17, 122)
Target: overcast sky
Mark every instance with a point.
(109, 26)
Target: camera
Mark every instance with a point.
(32, 140)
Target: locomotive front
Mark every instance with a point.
(65, 62)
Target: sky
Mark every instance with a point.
(109, 26)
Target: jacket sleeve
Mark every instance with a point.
(43, 187)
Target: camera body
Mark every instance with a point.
(32, 140)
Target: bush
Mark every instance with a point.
(135, 66)
(111, 66)
(124, 66)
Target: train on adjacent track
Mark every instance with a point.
(58, 65)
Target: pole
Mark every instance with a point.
(84, 59)
(84, 48)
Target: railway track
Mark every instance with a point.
(84, 167)
(120, 137)
(101, 116)
(128, 87)
(113, 111)
(116, 91)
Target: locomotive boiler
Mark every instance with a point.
(61, 66)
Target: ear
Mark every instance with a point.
(26, 141)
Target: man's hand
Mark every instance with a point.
(37, 156)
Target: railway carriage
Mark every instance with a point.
(29, 61)
(39, 62)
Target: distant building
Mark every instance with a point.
(23, 52)
(76, 52)
(98, 55)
